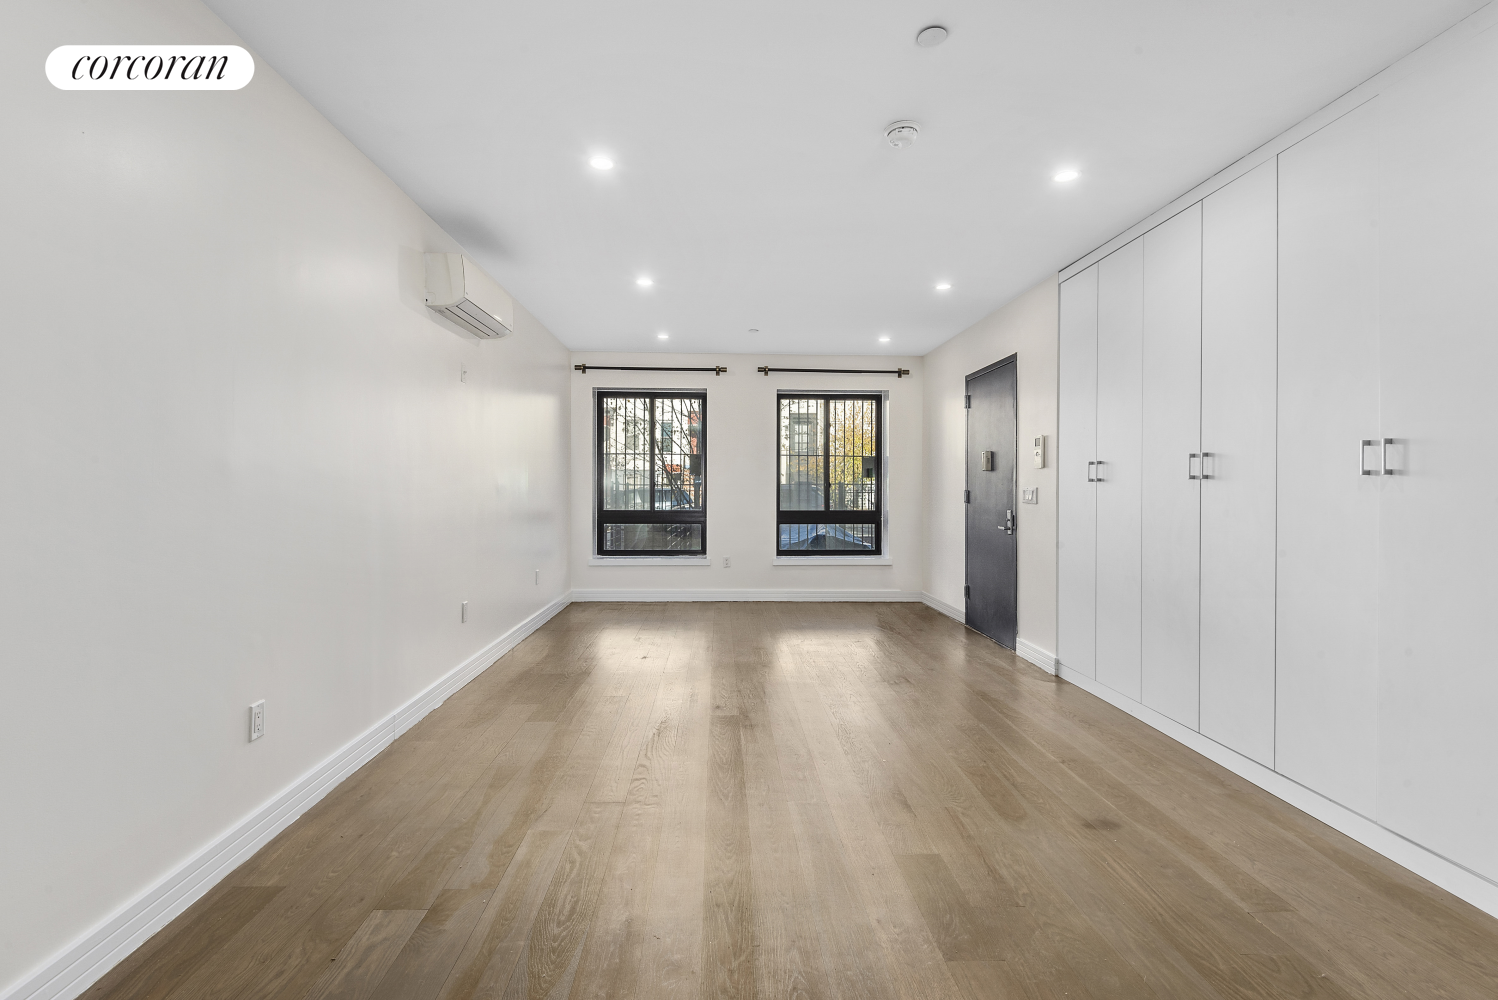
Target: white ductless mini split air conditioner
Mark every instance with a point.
(460, 290)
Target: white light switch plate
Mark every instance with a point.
(1030, 495)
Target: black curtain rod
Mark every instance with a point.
(765, 370)
(716, 369)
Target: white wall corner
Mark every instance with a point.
(952, 611)
(1042, 659)
(77, 967)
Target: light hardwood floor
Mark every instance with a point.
(803, 800)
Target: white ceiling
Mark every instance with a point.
(753, 181)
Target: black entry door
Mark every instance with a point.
(992, 514)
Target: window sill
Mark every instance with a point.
(832, 561)
(649, 561)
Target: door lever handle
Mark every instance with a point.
(1009, 522)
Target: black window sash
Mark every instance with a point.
(604, 517)
(829, 515)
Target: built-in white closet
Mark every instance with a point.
(1326, 706)
(1171, 456)
(1278, 498)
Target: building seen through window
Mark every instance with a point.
(830, 475)
(651, 470)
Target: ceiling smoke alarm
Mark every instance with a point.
(902, 134)
(931, 37)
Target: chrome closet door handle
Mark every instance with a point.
(1205, 455)
(1363, 447)
(1384, 457)
(1089, 472)
(1099, 464)
(1191, 458)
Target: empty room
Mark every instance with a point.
(842, 501)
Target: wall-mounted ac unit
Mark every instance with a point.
(458, 289)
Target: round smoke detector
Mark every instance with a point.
(930, 38)
(902, 134)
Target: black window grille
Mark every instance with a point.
(831, 475)
(651, 470)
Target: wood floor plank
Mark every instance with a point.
(560, 925)
(802, 802)
(727, 887)
(987, 981)
(489, 955)
(433, 863)
(961, 932)
(610, 965)
(361, 964)
(670, 963)
(559, 777)
(917, 966)
(857, 965)
(789, 962)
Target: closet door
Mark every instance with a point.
(1076, 556)
(1171, 445)
(1120, 328)
(1438, 730)
(1238, 436)
(1327, 657)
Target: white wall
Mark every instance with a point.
(238, 464)
(741, 426)
(1025, 327)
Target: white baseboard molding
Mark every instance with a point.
(709, 594)
(1449, 875)
(952, 611)
(1029, 651)
(81, 964)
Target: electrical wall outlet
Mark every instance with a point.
(1040, 452)
(463, 614)
(463, 372)
(727, 562)
(538, 578)
(257, 720)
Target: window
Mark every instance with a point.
(830, 459)
(651, 470)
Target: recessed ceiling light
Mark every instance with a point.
(929, 38)
(663, 336)
(883, 340)
(1064, 175)
(944, 286)
(644, 282)
(601, 162)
